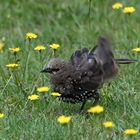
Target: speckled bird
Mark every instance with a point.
(79, 79)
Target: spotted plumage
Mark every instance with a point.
(79, 79)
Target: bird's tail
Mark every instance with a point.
(125, 61)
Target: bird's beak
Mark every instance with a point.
(47, 70)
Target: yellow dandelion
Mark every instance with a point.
(56, 94)
(43, 89)
(64, 119)
(117, 5)
(130, 131)
(96, 109)
(108, 124)
(31, 35)
(33, 97)
(13, 65)
(129, 10)
(39, 48)
(136, 50)
(1, 115)
(1, 46)
(14, 50)
(54, 46)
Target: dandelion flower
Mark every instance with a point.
(13, 65)
(136, 50)
(39, 48)
(117, 5)
(33, 97)
(43, 89)
(129, 10)
(54, 46)
(1, 115)
(130, 131)
(14, 50)
(31, 35)
(96, 109)
(1, 46)
(108, 124)
(64, 119)
(56, 94)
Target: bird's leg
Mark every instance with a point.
(82, 107)
(96, 97)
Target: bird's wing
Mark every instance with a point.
(103, 50)
(88, 74)
(103, 53)
(78, 56)
(96, 66)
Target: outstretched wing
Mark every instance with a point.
(78, 56)
(88, 73)
(103, 53)
(96, 66)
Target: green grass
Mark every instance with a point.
(69, 24)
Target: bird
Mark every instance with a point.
(80, 78)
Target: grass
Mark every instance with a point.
(69, 24)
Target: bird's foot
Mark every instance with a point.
(96, 97)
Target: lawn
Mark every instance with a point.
(72, 25)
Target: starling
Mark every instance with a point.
(80, 78)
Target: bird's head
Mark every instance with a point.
(54, 66)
